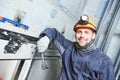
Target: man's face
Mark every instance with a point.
(83, 36)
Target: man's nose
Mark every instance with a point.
(82, 34)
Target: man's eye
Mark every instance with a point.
(86, 32)
(78, 32)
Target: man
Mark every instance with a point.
(81, 60)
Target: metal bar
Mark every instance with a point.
(19, 70)
(117, 64)
(30, 65)
(117, 70)
(118, 54)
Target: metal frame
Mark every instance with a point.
(117, 66)
(103, 21)
(111, 29)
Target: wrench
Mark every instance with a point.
(44, 65)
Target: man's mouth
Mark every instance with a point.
(81, 39)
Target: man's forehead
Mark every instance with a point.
(83, 29)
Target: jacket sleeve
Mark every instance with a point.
(108, 72)
(57, 39)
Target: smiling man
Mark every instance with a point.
(81, 60)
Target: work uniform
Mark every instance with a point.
(80, 64)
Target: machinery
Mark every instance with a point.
(13, 33)
(18, 43)
(14, 40)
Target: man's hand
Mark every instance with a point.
(42, 44)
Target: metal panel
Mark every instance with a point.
(37, 72)
(103, 20)
(111, 29)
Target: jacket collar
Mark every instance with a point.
(89, 47)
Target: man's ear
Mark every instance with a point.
(94, 34)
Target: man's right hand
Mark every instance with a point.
(42, 44)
